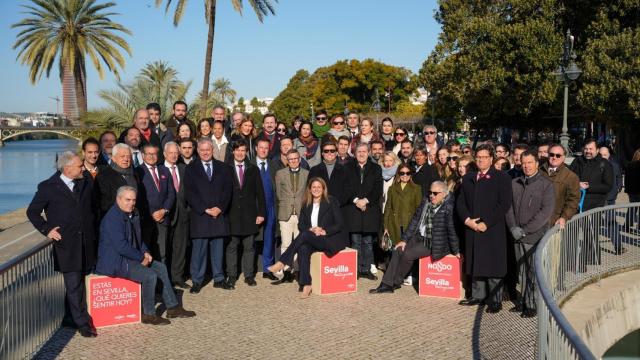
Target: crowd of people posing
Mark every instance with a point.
(163, 200)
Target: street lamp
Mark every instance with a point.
(567, 72)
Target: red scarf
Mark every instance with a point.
(311, 145)
(147, 134)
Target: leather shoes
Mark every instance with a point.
(179, 312)
(528, 313)
(470, 302)
(229, 284)
(382, 289)
(250, 281)
(154, 320)
(494, 308)
(269, 275)
(196, 288)
(368, 275)
(181, 284)
(516, 309)
(288, 277)
(219, 284)
(87, 331)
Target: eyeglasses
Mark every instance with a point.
(321, 118)
(282, 130)
(454, 158)
(293, 159)
(554, 155)
(429, 132)
(329, 151)
(399, 134)
(338, 123)
(435, 193)
(404, 173)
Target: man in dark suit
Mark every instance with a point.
(178, 238)
(66, 199)
(267, 169)
(363, 211)
(90, 156)
(209, 189)
(142, 122)
(485, 198)
(179, 117)
(425, 174)
(157, 126)
(246, 214)
(107, 142)
(118, 174)
(156, 195)
(270, 134)
(329, 170)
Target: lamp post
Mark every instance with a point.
(567, 72)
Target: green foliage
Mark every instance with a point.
(494, 59)
(349, 82)
(157, 82)
(221, 89)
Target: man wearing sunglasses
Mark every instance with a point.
(330, 170)
(431, 232)
(321, 124)
(431, 139)
(565, 183)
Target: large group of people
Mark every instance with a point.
(163, 201)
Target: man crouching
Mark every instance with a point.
(122, 253)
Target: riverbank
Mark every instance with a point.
(13, 218)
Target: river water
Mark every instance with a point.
(24, 164)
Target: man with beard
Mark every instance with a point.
(157, 126)
(179, 117)
(377, 149)
(269, 123)
(141, 122)
(406, 152)
(132, 139)
(186, 151)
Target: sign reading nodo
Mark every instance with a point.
(113, 301)
(440, 278)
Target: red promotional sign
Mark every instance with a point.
(334, 275)
(440, 278)
(113, 301)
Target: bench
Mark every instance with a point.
(334, 275)
(113, 301)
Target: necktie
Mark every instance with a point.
(262, 168)
(208, 170)
(241, 175)
(481, 176)
(174, 175)
(135, 159)
(155, 177)
(76, 189)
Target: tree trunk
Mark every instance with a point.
(69, 101)
(81, 91)
(207, 61)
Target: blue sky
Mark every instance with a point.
(258, 59)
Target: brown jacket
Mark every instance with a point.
(567, 189)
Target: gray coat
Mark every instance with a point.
(532, 206)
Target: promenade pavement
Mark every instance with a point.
(271, 322)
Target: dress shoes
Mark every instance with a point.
(470, 302)
(287, 277)
(181, 285)
(494, 308)
(87, 331)
(269, 275)
(229, 284)
(382, 289)
(368, 275)
(195, 288)
(528, 313)
(154, 320)
(219, 284)
(300, 288)
(516, 309)
(179, 312)
(250, 281)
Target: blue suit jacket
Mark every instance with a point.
(150, 199)
(202, 194)
(115, 248)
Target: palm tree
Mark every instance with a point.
(70, 30)
(262, 8)
(222, 88)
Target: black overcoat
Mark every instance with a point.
(203, 194)
(335, 184)
(74, 215)
(247, 202)
(330, 219)
(107, 183)
(370, 188)
(489, 199)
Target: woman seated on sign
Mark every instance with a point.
(320, 225)
(431, 232)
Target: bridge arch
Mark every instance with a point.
(6, 134)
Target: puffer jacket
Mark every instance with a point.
(444, 240)
(532, 206)
(598, 172)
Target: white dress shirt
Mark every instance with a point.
(315, 211)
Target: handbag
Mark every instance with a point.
(386, 243)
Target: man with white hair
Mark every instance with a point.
(118, 174)
(431, 232)
(66, 199)
(431, 139)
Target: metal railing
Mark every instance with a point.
(31, 302)
(593, 245)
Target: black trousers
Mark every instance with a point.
(487, 289)
(402, 261)
(248, 254)
(178, 240)
(76, 297)
(155, 236)
(304, 245)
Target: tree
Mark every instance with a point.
(70, 30)
(157, 82)
(222, 89)
(348, 82)
(262, 8)
(240, 106)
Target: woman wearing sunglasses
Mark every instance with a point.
(398, 135)
(338, 128)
